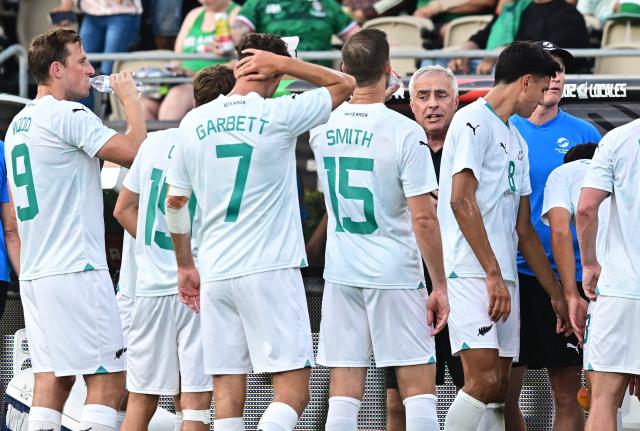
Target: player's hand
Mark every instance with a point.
(560, 308)
(123, 86)
(634, 386)
(590, 276)
(485, 67)
(259, 66)
(459, 65)
(189, 287)
(499, 299)
(437, 310)
(578, 316)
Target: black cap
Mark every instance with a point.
(554, 49)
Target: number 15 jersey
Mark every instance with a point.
(55, 182)
(370, 160)
(237, 153)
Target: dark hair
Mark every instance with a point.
(264, 42)
(48, 48)
(522, 58)
(211, 82)
(365, 55)
(580, 151)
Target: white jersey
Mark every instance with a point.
(237, 153)
(370, 160)
(54, 175)
(155, 256)
(128, 267)
(614, 169)
(562, 190)
(497, 155)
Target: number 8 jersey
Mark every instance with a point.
(54, 175)
(370, 160)
(237, 153)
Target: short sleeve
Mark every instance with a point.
(600, 172)
(132, 179)
(249, 14)
(556, 195)
(177, 174)
(76, 125)
(341, 23)
(417, 173)
(525, 189)
(4, 189)
(302, 112)
(468, 143)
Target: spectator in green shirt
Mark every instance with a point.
(314, 21)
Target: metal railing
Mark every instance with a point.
(21, 53)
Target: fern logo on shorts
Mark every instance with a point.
(484, 329)
(120, 352)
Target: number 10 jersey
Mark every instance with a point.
(370, 160)
(237, 153)
(54, 176)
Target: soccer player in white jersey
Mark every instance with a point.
(52, 151)
(165, 352)
(484, 212)
(612, 353)
(237, 154)
(376, 172)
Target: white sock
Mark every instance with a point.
(619, 426)
(231, 424)
(177, 425)
(98, 418)
(43, 418)
(343, 414)
(119, 420)
(493, 418)
(421, 413)
(278, 417)
(464, 414)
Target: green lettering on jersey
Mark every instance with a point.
(366, 139)
(349, 137)
(244, 151)
(22, 125)
(24, 179)
(342, 136)
(200, 131)
(221, 122)
(211, 128)
(262, 124)
(230, 124)
(331, 139)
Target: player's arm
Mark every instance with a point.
(427, 230)
(11, 236)
(122, 148)
(467, 213)
(318, 241)
(587, 228)
(531, 249)
(564, 256)
(179, 222)
(126, 210)
(264, 64)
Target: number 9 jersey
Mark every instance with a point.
(54, 176)
(370, 160)
(237, 154)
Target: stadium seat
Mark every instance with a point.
(461, 29)
(618, 65)
(616, 32)
(33, 19)
(405, 33)
(116, 107)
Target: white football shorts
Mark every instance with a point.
(125, 307)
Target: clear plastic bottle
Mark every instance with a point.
(102, 84)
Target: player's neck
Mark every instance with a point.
(502, 99)
(50, 90)
(543, 114)
(370, 94)
(244, 87)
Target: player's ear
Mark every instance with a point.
(387, 67)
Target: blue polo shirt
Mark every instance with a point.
(4, 198)
(548, 144)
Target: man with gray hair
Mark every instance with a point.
(433, 92)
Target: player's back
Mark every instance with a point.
(239, 158)
(154, 252)
(614, 168)
(55, 181)
(370, 160)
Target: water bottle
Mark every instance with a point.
(101, 83)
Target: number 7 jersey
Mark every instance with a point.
(370, 160)
(54, 175)
(237, 153)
